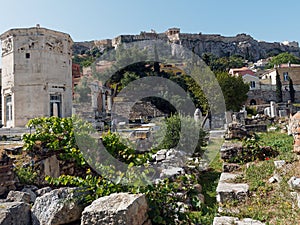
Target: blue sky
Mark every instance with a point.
(97, 19)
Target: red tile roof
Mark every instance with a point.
(241, 71)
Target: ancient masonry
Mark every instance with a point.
(36, 75)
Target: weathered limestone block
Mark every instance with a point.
(51, 166)
(279, 163)
(117, 209)
(30, 191)
(226, 220)
(294, 183)
(227, 191)
(256, 128)
(294, 127)
(18, 196)
(236, 131)
(230, 167)
(171, 171)
(231, 150)
(296, 197)
(43, 191)
(15, 213)
(60, 206)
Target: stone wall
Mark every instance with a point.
(7, 175)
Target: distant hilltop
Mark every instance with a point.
(241, 45)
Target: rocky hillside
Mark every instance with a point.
(242, 44)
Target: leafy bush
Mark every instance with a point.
(53, 134)
(251, 111)
(121, 151)
(26, 175)
(253, 150)
(171, 132)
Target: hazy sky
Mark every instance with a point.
(97, 19)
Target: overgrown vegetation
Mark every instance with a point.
(53, 134)
(56, 136)
(271, 203)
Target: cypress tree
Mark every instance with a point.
(278, 87)
(156, 66)
(292, 90)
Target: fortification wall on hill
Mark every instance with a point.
(242, 44)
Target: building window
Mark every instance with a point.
(252, 84)
(27, 55)
(8, 110)
(285, 76)
(55, 105)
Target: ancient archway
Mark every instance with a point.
(252, 102)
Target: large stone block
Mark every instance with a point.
(117, 209)
(228, 191)
(226, 220)
(18, 196)
(231, 150)
(294, 183)
(60, 206)
(15, 213)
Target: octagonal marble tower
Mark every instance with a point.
(36, 75)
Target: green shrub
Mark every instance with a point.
(172, 131)
(26, 175)
(125, 153)
(251, 110)
(53, 134)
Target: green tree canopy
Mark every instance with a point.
(283, 58)
(222, 64)
(234, 90)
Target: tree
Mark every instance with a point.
(171, 131)
(278, 87)
(127, 78)
(156, 66)
(225, 63)
(82, 91)
(234, 90)
(283, 58)
(292, 90)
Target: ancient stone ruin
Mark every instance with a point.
(7, 176)
(294, 127)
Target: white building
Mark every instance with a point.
(36, 75)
